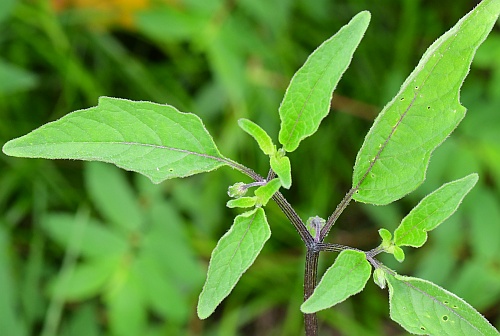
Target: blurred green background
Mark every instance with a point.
(88, 249)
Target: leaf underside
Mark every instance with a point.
(307, 99)
(234, 254)
(396, 151)
(434, 209)
(155, 140)
(346, 277)
(424, 308)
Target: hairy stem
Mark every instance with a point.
(310, 279)
(294, 218)
(340, 208)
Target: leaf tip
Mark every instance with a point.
(306, 309)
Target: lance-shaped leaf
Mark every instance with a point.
(434, 209)
(232, 256)
(347, 276)
(152, 139)
(281, 166)
(263, 139)
(307, 99)
(423, 308)
(266, 192)
(396, 151)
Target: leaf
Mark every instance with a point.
(87, 279)
(126, 304)
(112, 195)
(307, 99)
(263, 139)
(242, 202)
(96, 240)
(152, 139)
(434, 209)
(280, 164)
(346, 277)
(379, 277)
(424, 308)
(393, 159)
(266, 192)
(160, 291)
(232, 256)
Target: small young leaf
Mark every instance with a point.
(307, 99)
(281, 166)
(347, 276)
(398, 253)
(434, 209)
(237, 190)
(385, 235)
(267, 191)
(152, 139)
(423, 308)
(232, 256)
(242, 202)
(395, 154)
(379, 277)
(263, 139)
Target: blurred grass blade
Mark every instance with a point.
(346, 277)
(434, 209)
(395, 154)
(152, 139)
(234, 254)
(307, 99)
(14, 79)
(113, 196)
(424, 308)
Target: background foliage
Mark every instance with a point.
(89, 249)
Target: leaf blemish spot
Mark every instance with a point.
(445, 318)
(422, 328)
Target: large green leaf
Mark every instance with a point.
(152, 139)
(347, 276)
(232, 256)
(395, 154)
(307, 99)
(434, 209)
(424, 308)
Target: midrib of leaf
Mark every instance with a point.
(219, 159)
(348, 197)
(423, 220)
(308, 97)
(434, 299)
(242, 238)
(403, 115)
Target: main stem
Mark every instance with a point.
(310, 279)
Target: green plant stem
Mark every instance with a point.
(310, 280)
(327, 247)
(336, 214)
(294, 218)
